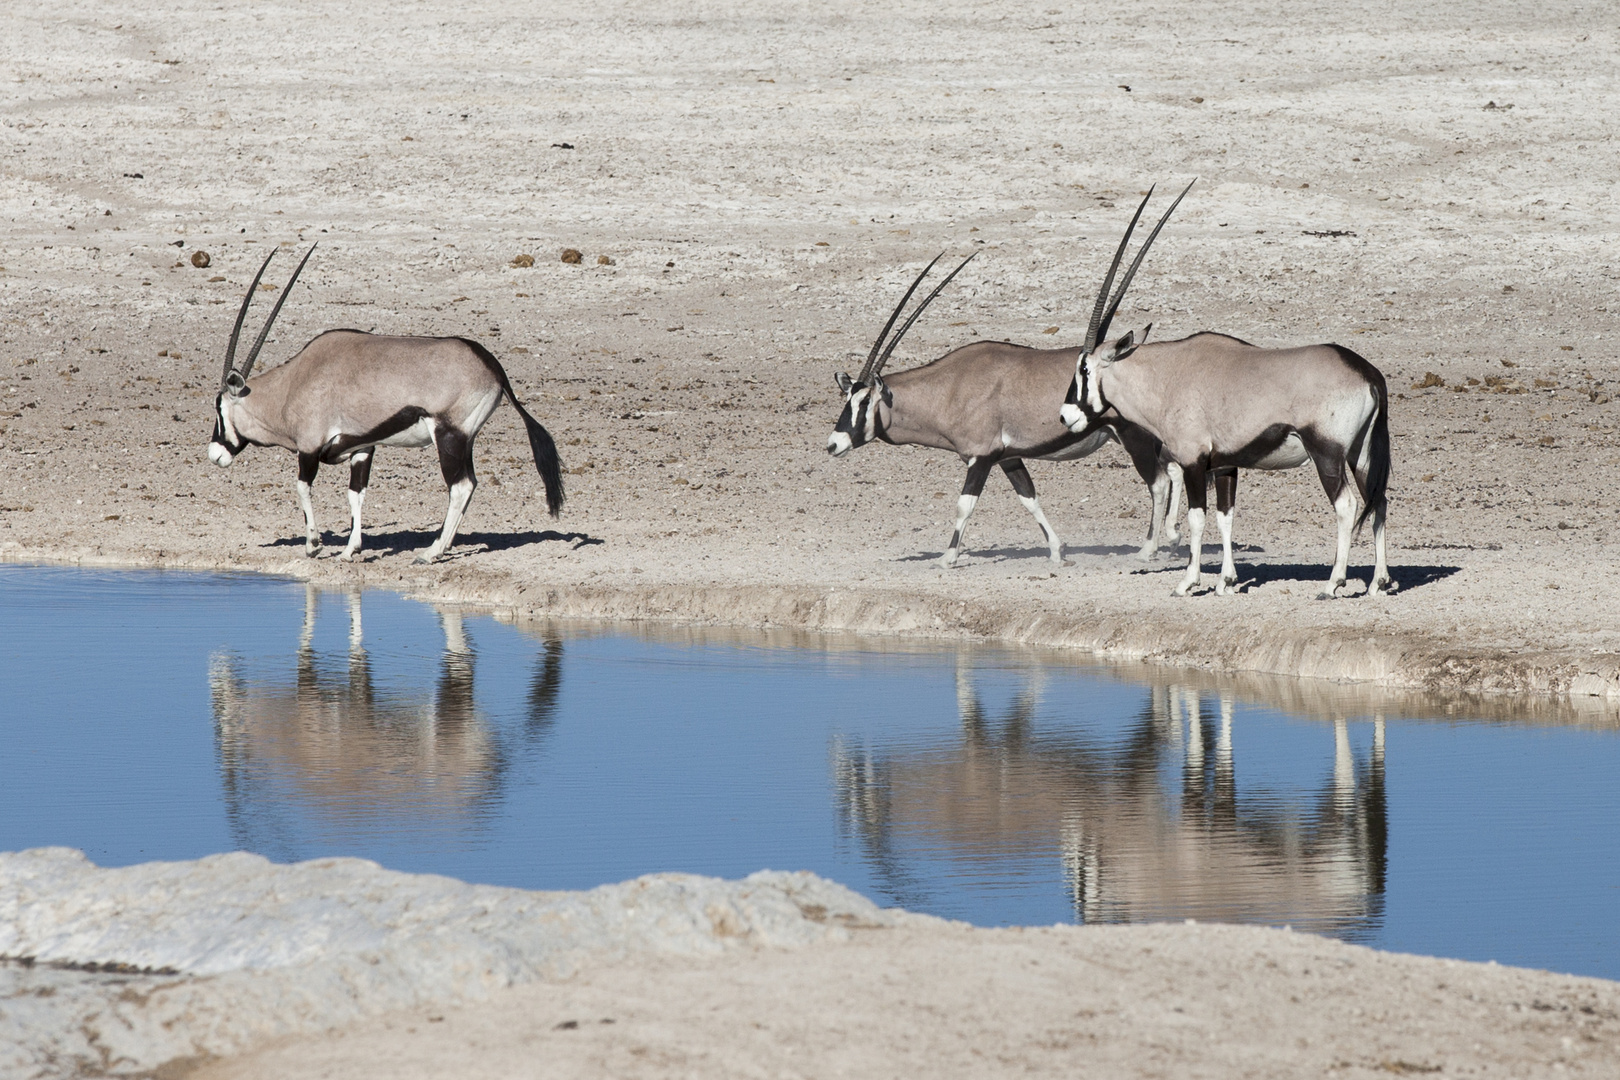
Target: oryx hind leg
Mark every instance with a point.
(359, 480)
(1381, 581)
(1024, 485)
(972, 487)
(1166, 490)
(1333, 471)
(455, 460)
(308, 466)
(1225, 507)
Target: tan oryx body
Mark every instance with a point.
(1218, 404)
(990, 404)
(348, 392)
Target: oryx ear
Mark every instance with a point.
(235, 385)
(882, 389)
(844, 382)
(1122, 347)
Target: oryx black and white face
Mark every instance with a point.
(225, 444)
(1085, 404)
(859, 423)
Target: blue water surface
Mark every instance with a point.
(164, 715)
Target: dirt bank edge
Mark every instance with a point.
(1244, 643)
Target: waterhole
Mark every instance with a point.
(160, 715)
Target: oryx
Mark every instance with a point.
(1218, 404)
(348, 392)
(990, 404)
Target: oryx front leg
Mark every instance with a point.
(1225, 506)
(455, 460)
(972, 487)
(1024, 485)
(308, 466)
(359, 480)
(1197, 496)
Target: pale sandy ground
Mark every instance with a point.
(764, 177)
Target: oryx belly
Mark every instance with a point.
(417, 435)
(1290, 455)
(1080, 448)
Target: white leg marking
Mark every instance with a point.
(1345, 509)
(1381, 581)
(1160, 490)
(1195, 545)
(964, 509)
(312, 539)
(356, 500)
(1053, 544)
(460, 495)
(1228, 567)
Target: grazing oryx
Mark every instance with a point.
(348, 392)
(990, 403)
(1218, 404)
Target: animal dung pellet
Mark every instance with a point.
(1429, 379)
(200, 259)
(525, 261)
(604, 260)
(572, 256)
(217, 277)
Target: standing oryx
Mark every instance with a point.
(990, 403)
(1218, 404)
(348, 392)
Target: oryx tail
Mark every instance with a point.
(541, 444)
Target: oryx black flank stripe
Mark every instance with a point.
(340, 446)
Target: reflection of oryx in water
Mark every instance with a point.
(330, 740)
(1133, 847)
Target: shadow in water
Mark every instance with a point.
(1151, 827)
(327, 750)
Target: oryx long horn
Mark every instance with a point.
(236, 331)
(888, 352)
(286, 290)
(1108, 317)
(877, 345)
(1093, 330)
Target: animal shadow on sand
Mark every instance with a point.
(409, 541)
(1001, 554)
(1251, 575)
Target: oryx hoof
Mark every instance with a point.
(1147, 553)
(312, 551)
(423, 559)
(1226, 585)
(347, 555)
(949, 558)
(1331, 592)
(1186, 588)
(1383, 585)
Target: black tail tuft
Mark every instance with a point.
(1378, 458)
(541, 444)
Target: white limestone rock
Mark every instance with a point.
(212, 956)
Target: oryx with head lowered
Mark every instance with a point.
(1218, 404)
(990, 404)
(348, 392)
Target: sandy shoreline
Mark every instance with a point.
(762, 180)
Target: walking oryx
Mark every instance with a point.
(348, 392)
(1219, 404)
(990, 403)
